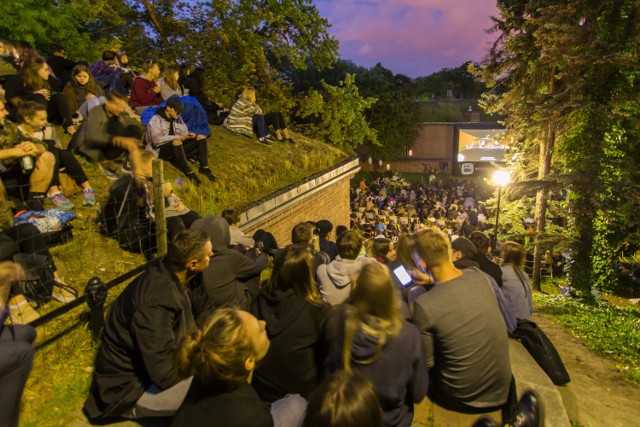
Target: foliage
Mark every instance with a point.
(566, 75)
(604, 327)
(339, 114)
(458, 80)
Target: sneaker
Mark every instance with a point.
(207, 172)
(270, 139)
(264, 141)
(194, 179)
(61, 202)
(64, 293)
(88, 197)
(21, 311)
(109, 169)
(530, 411)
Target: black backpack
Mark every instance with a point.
(542, 350)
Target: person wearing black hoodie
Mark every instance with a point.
(294, 312)
(227, 277)
(481, 242)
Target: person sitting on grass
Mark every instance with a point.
(24, 161)
(108, 133)
(145, 92)
(34, 83)
(237, 237)
(107, 72)
(222, 357)
(246, 117)
(82, 92)
(33, 119)
(169, 138)
(169, 83)
(134, 375)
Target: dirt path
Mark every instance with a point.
(597, 394)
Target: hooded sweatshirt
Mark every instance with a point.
(334, 279)
(227, 268)
(294, 326)
(399, 373)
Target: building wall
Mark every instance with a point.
(323, 197)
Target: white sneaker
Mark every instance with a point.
(64, 293)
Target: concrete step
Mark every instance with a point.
(528, 376)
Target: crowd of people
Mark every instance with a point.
(355, 324)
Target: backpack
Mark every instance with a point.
(542, 350)
(38, 276)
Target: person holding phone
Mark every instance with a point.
(169, 139)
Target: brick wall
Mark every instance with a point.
(327, 200)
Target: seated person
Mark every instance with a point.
(515, 281)
(221, 359)
(34, 83)
(345, 399)
(275, 121)
(303, 234)
(33, 119)
(232, 278)
(16, 349)
(369, 336)
(336, 278)
(169, 138)
(246, 117)
(134, 375)
(295, 314)
(60, 65)
(129, 217)
(25, 161)
(483, 245)
(174, 207)
(169, 83)
(108, 132)
(383, 250)
(145, 92)
(82, 92)
(107, 72)
(125, 82)
(462, 253)
(464, 333)
(9, 59)
(324, 228)
(237, 236)
(194, 83)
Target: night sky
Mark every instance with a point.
(412, 37)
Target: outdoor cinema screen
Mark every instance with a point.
(482, 145)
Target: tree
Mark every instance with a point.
(568, 79)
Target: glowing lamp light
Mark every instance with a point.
(370, 161)
(410, 152)
(380, 162)
(388, 166)
(501, 178)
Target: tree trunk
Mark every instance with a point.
(156, 23)
(546, 147)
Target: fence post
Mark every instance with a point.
(96, 292)
(158, 207)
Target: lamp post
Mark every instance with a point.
(501, 178)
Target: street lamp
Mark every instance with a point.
(501, 178)
(388, 166)
(410, 152)
(370, 161)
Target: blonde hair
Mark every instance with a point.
(374, 307)
(433, 246)
(218, 351)
(249, 94)
(169, 76)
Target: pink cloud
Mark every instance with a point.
(413, 37)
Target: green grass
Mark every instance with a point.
(605, 327)
(246, 172)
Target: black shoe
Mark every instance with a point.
(269, 140)
(207, 172)
(289, 140)
(529, 412)
(486, 421)
(194, 178)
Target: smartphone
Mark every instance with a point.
(403, 275)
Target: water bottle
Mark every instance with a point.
(26, 163)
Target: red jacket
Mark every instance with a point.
(142, 94)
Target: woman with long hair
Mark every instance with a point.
(33, 83)
(291, 305)
(246, 117)
(82, 92)
(169, 82)
(515, 281)
(368, 335)
(222, 357)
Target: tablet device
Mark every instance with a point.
(403, 275)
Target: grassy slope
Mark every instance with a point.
(246, 171)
